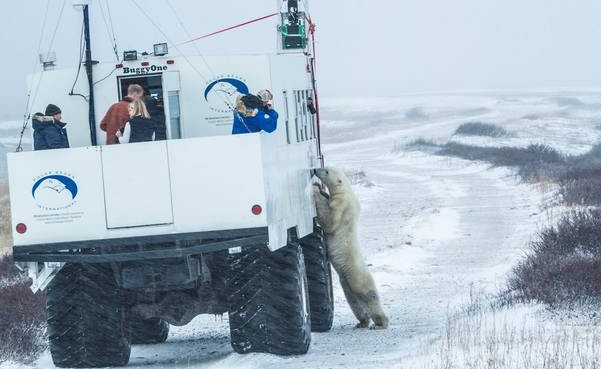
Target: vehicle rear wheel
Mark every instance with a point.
(148, 331)
(269, 301)
(86, 325)
(319, 277)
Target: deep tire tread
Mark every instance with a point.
(319, 277)
(266, 301)
(85, 319)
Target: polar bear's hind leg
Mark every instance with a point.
(364, 288)
(358, 309)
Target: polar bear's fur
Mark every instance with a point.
(338, 216)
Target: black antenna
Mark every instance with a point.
(89, 63)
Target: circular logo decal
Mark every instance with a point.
(54, 192)
(221, 94)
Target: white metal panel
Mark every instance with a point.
(216, 181)
(137, 185)
(67, 203)
(288, 185)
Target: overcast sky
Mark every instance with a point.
(365, 47)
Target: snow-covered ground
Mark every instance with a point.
(434, 230)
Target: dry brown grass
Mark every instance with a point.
(5, 223)
(22, 316)
(22, 313)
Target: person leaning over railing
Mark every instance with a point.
(253, 114)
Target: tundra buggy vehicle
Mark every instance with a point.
(128, 239)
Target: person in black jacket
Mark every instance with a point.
(139, 128)
(48, 130)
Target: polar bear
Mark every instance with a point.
(338, 215)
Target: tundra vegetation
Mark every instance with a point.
(5, 224)
(564, 261)
(22, 316)
(480, 129)
(560, 271)
(22, 313)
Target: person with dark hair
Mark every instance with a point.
(252, 115)
(118, 114)
(48, 130)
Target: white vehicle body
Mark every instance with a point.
(201, 179)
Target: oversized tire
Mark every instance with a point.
(148, 331)
(86, 321)
(319, 277)
(269, 302)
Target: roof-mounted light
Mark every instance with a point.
(48, 60)
(161, 49)
(130, 55)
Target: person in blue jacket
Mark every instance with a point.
(48, 130)
(252, 115)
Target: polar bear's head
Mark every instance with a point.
(333, 178)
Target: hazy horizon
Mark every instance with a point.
(364, 48)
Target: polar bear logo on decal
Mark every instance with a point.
(221, 94)
(54, 192)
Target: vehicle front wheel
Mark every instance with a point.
(269, 301)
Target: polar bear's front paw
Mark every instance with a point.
(363, 324)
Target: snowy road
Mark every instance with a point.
(432, 229)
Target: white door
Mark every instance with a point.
(137, 188)
(171, 102)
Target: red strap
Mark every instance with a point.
(311, 24)
(231, 28)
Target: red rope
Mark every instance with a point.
(312, 27)
(230, 28)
